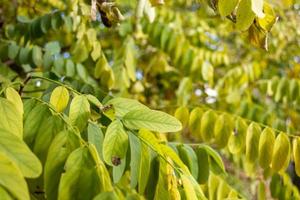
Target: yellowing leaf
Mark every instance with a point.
(265, 147)
(223, 130)
(182, 114)
(11, 120)
(237, 139)
(281, 152)
(296, 155)
(195, 122)
(252, 142)
(149, 138)
(270, 18)
(79, 112)
(157, 2)
(207, 125)
(12, 179)
(258, 37)
(226, 7)
(244, 15)
(59, 98)
(13, 96)
(188, 188)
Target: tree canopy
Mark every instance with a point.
(149, 99)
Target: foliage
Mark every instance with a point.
(89, 87)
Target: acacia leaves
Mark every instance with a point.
(79, 112)
(59, 98)
(244, 15)
(152, 120)
(115, 143)
(226, 7)
(11, 115)
(259, 144)
(12, 179)
(11, 132)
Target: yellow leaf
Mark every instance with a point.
(59, 98)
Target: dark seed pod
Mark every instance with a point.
(105, 19)
(116, 161)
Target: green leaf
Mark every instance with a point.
(135, 157)
(95, 137)
(115, 143)
(215, 159)
(10, 117)
(144, 168)
(151, 120)
(37, 56)
(13, 50)
(79, 112)
(119, 170)
(94, 100)
(227, 7)
(18, 152)
(123, 105)
(24, 55)
(52, 47)
(58, 65)
(47, 60)
(56, 20)
(12, 179)
(70, 68)
(80, 180)
(81, 71)
(252, 142)
(46, 23)
(106, 196)
(62, 145)
(189, 157)
(203, 164)
(46, 132)
(35, 113)
(59, 98)
(244, 15)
